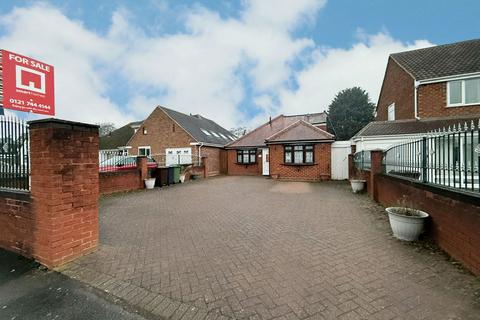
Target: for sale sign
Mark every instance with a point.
(27, 84)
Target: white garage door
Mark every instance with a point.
(340, 152)
(178, 156)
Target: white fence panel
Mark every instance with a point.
(340, 152)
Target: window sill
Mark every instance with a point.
(462, 105)
(299, 164)
(245, 164)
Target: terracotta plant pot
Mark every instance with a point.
(406, 227)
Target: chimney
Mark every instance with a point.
(270, 121)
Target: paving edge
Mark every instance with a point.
(140, 298)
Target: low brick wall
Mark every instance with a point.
(122, 181)
(455, 216)
(57, 221)
(16, 221)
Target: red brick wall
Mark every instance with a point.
(162, 133)
(398, 87)
(122, 181)
(238, 169)
(58, 221)
(64, 187)
(320, 171)
(432, 102)
(455, 218)
(17, 222)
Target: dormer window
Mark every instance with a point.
(463, 92)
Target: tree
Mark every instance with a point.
(350, 111)
(239, 131)
(106, 128)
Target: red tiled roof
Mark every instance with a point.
(300, 131)
(257, 137)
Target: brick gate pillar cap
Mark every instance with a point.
(62, 124)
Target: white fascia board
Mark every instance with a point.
(391, 136)
(450, 78)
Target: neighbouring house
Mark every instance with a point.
(287, 147)
(424, 90)
(172, 137)
(119, 138)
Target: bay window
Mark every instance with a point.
(463, 92)
(298, 154)
(247, 156)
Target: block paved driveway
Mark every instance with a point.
(249, 247)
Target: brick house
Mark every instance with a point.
(286, 147)
(424, 90)
(172, 137)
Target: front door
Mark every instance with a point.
(265, 162)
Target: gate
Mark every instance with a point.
(340, 152)
(14, 154)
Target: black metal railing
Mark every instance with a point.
(447, 157)
(14, 154)
(362, 160)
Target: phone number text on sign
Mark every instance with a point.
(28, 105)
(28, 84)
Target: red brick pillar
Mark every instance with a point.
(376, 168)
(143, 168)
(351, 167)
(64, 190)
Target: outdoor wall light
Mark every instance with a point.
(145, 131)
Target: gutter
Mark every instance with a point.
(387, 136)
(450, 78)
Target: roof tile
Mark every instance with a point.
(441, 61)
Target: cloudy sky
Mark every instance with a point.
(237, 62)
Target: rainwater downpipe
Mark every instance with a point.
(415, 98)
(200, 145)
(200, 153)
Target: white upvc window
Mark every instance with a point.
(391, 112)
(463, 92)
(144, 151)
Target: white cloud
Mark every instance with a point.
(202, 69)
(335, 69)
(209, 68)
(47, 34)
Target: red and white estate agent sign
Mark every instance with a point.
(27, 84)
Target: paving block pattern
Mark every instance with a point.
(254, 248)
